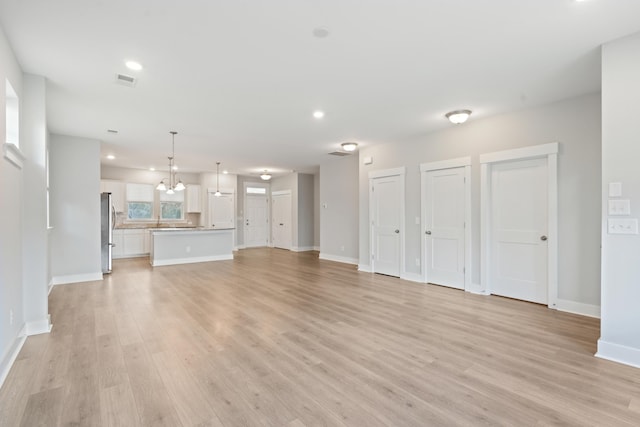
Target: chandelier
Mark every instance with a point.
(174, 183)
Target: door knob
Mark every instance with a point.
(427, 232)
(281, 224)
(543, 238)
(397, 231)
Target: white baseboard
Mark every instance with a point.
(476, 288)
(76, 278)
(412, 277)
(316, 248)
(42, 326)
(578, 308)
(239, 247)
(365, 268)
(336, 258)
(174, 261)
(7, 361)
(618, 353)
(302, 248)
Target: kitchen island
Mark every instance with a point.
(171, 246)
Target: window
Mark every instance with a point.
(256, 190)
(171, 205)
(12, 115)
(139, 201)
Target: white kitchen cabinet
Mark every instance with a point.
(117, 190)
(118, 242)
(194, 197)
(130, 243)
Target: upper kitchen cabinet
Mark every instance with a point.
(194, 196)
(117, 190)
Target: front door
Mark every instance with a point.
(518, 256)
(386, 199)
(444, 226)
(256, 220)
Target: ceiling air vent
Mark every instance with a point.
(339, 153)
(125, 80)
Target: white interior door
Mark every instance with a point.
(221, 210)
(444, 223)
(281, 221)
(519, 196)
(386, 199)
(256, 222)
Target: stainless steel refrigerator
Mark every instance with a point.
(107, 221)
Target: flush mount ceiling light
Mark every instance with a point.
(318, 114)
(349, 146)
(458, 116)
(174, 183)
(266, 176)
(133, 65)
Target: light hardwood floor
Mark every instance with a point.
(276, 338)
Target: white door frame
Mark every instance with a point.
(267, 186)
(459, 162)
(550, 152)
(401, 171)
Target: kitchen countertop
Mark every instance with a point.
(154, 226)
(190, 229)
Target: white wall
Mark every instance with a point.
(11, 205)
(316, 211)
(620, 324)
(305, 212)
(33, 135)
(75, 209)
(574, 123)
(339, 209)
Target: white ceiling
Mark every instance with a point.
(239, 79)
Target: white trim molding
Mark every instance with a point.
(445, 164)
(76, 278)
(550, 152)
(7, 362)
(336, 258)
(365, 268)
(583, 309)
(42, 326)
(523, 153)
(387, 172)
(618, 353)
(411, 277)
(173, 261)
(302, 248)
(280, 192)
(13, 154)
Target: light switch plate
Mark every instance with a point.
(623, 225)
(620, 207)
(615, 189)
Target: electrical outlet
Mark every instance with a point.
(10, 317)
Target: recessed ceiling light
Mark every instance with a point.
(349, 146)
(318, 114)
(458, 116)
(320, 32)
(133, 65)
(152, 169)
(225, 171)
(111, 157)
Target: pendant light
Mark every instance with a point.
(174, 183)
(217, 193)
